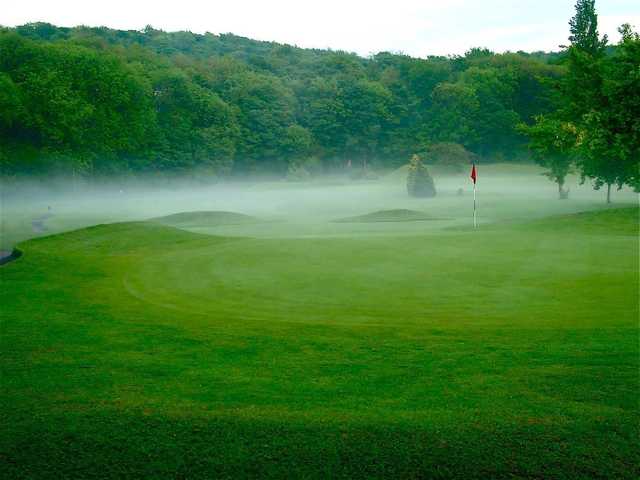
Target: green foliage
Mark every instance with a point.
(610, 143)
(584, 29)
(419, 181)
(454, 105)
(98, 101)
(449, 154)
(597, 113)
(302, 169)
(553, 143)
(73, 105)
(199, 129)
(297, 143)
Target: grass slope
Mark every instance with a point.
(139, 350)
(204, 219)
(397, 215)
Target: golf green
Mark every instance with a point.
(140, 349)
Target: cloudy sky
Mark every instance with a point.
(415, 27)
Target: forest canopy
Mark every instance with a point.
(98, 101)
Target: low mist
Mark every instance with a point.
(283, 208)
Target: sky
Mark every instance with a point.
(414, 27)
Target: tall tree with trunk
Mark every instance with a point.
(599, 101)
(552, 143)
(602, 93)
(611, 134)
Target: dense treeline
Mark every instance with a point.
(99, 101)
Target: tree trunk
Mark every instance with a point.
(562, 193)
(608, 193)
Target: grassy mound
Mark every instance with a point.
(397, 215)
(138, 350)
(205, 219)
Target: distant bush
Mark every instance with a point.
(302, 170)
(450, 154)
(419, 182)
(297, 172)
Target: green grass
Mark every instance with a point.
(204, 219)
(397, 215)
(145, 351)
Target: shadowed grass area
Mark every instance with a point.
(397, 215)
(140, 445)
(142, 350)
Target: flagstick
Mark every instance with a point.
(475, 223)
(474, 177)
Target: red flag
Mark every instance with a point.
(474, 175)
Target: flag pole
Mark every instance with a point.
(474, 178)
(475, 219)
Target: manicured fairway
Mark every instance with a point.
(143, 350)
